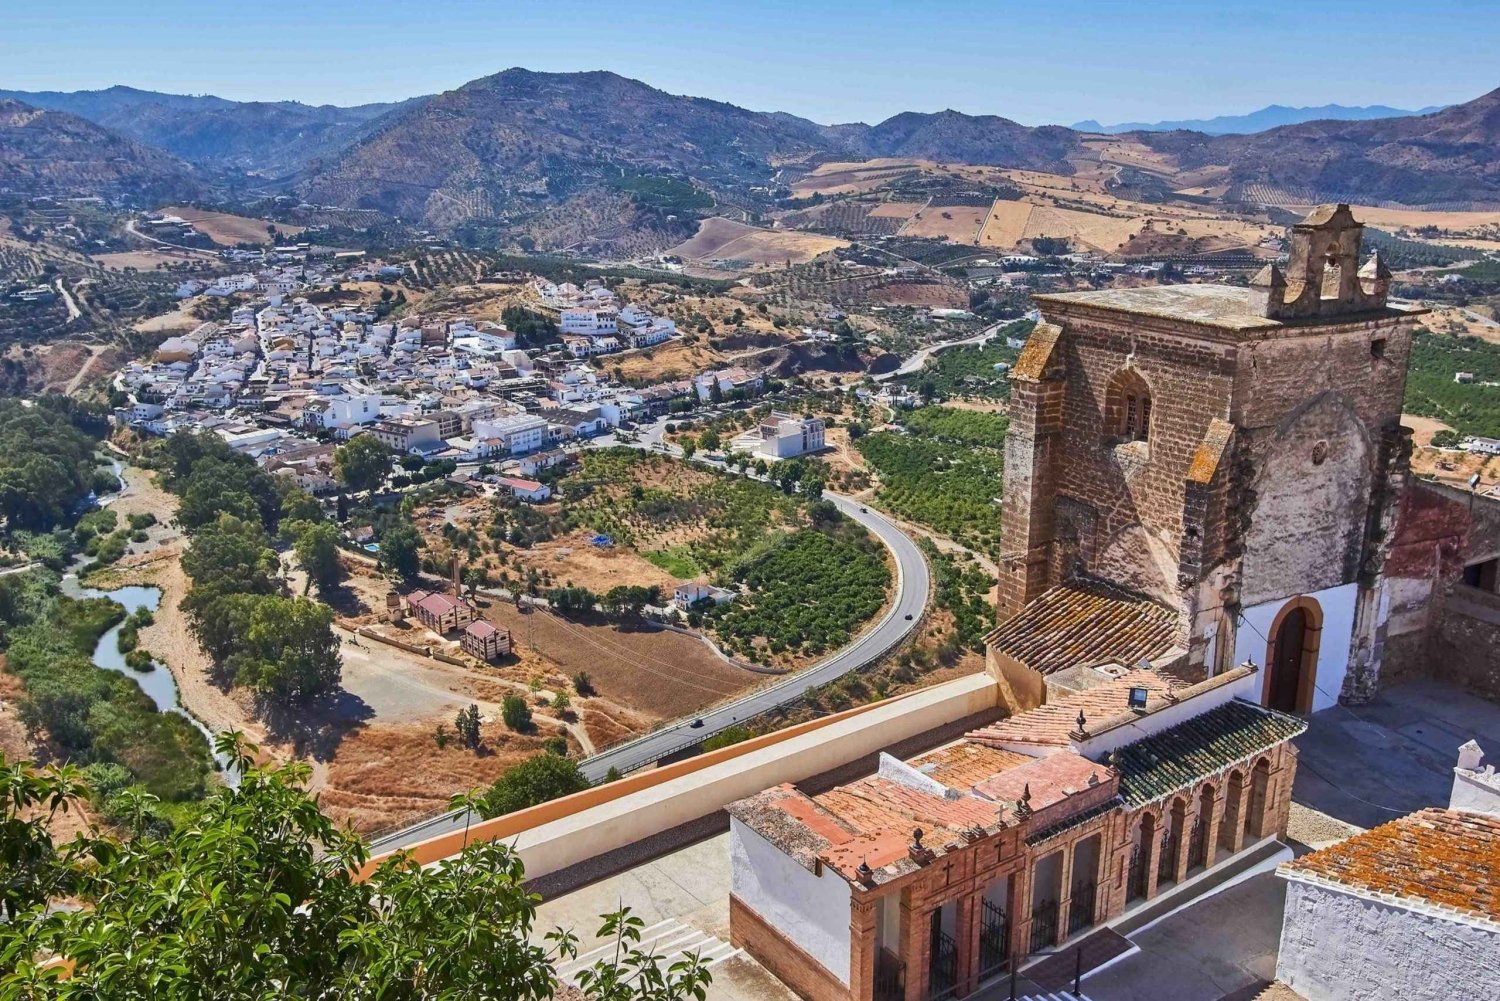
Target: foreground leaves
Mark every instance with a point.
(260, 899)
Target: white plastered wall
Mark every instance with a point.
(1337, 604)
(812, 911)
(1339, 946)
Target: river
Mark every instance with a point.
(158, 684)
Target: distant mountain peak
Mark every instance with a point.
(1270, 117)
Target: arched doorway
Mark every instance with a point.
(1140, 857)
(1260, 788)
(1235, 805)
(1292, 656)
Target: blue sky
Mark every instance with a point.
(1039, 61)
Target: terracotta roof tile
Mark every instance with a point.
(1447, 858)
(1085, 623)
(1049, 725)
(965, 765)
(1050, 780)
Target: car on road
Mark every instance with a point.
(908, 616)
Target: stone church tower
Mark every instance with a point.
(1203, 475)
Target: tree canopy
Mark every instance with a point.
(46, 467)
(317, 546)
(536, 780)
(362, 463)
(262, 898)
(400, 551)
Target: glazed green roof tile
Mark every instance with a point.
(1178, 757)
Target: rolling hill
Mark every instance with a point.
(266, 138)
(1450, 157)
(957, 137)
(54, 153)
(499, 150)
(509, 143)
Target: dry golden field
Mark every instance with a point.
(149, 259)
(228, 230)
(959, 223)
(729, 240)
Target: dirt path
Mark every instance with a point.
(73, 311)
(94, 350)
(171, 639)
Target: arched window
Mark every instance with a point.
(1128, 406)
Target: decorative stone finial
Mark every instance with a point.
(1470, 755)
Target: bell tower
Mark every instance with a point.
(1222, 454)
(1323, 278)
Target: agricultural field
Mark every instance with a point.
(156, 258)
(689, 521)
(958, 223)
(724, 239)
(853, 178)
(668, 521)
(439, 268)
(969, 372)
(805, 596)
(228, 230)
(1081, 208)
(693, 523)
(1475, 225)
(945, 472)
(1468, 408)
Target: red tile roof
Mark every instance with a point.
(435, 603)
(1049, 725)
(1083, 624)
(481, 629)
(1447, 858)
(965, 765)
(1049, 780)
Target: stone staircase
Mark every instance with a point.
(671, 940)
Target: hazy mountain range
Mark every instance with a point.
(506, 146)
(1270, 117)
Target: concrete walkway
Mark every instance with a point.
(683, 898)
(1218, 946)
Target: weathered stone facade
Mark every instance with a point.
(1439, 625)
(1216, 449)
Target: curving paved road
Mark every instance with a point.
(900, 619)
(912, 585)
